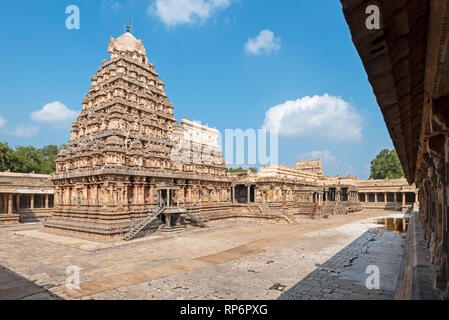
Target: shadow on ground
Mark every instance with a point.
(15, 287)
(343, 277)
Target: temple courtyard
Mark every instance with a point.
(310, 259)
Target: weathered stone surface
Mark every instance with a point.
(230, 260)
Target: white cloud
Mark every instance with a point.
(23, 131)
(2, 122)
(54, 113)
(320, 118)
(110, 4)
(264, 42)
(174, 12)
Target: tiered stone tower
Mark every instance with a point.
(117, 162)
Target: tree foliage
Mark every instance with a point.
(49, 154)
(386, 165)
(28, 159)
(7, 156)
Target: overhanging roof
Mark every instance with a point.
(406, 65)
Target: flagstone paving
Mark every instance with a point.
(313, 259)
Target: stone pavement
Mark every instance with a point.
(229, 260)
(344, 275)
(15, 287)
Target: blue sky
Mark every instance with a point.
(224, 62)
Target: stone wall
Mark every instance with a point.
(416, 278)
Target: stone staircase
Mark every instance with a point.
(138, 227)
(305, 208)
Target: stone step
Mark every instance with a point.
(171, 230)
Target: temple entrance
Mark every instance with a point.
(410, 198)
(241, 194)
(331, 194)
(168, 196)
(362, 197)
(245, 194)
(252, 194)
(344, 194)
(163, 197)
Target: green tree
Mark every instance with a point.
(7, 157)
(386, 165)
(236, 170)
(241, 170)
(28, 159)
(48, 157)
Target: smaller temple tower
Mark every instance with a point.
(310, 165)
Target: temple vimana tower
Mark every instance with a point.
(128, 158)
(117, 165)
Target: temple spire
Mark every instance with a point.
(129, 25)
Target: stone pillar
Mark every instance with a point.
(385, 197)
(375, 197)
(403, 199)
(5, 204)
(189, 194)
(125, 195)
(150, 195)
(183, 195)
(168, 220)
(233, 194)
(168, 198)
(249, 194)
(159, 195)
(46, 200)
(32, 202)
(10, 204)
(395, 197)
(18, 203)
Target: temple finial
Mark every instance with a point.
(129, 25)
